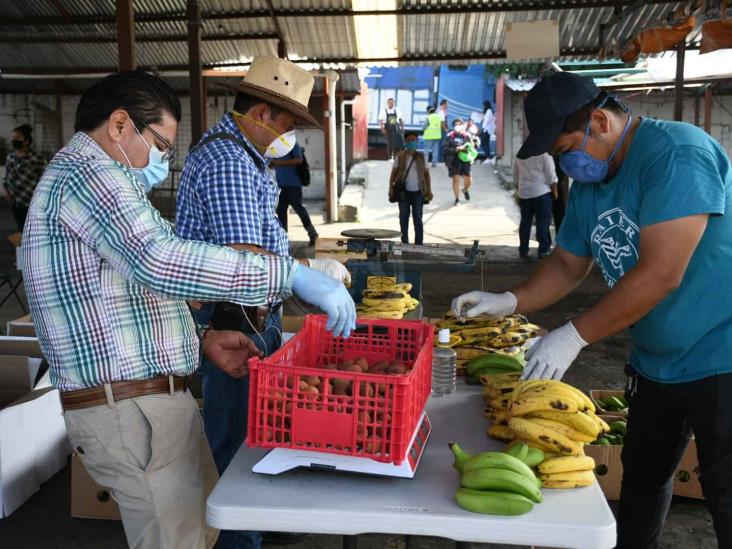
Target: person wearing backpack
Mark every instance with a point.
(292, 175)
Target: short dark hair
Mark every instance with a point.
(578, 120)
(244, 102)
(457, 121)
(443, 102)
(411, 134)
(27, 132)
(430, 110)
(145, 97)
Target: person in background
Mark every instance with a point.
(458, 141)
(107, 283)
(392, 127)
(290, 186)
(559, 204)
(651, 208)
(227, 196)
(472, 128)
(444, 124)
(432, 135)
(537, 189)
(23, 169)
(410, 167)
(488, 127)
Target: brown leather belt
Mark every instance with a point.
(121, 390)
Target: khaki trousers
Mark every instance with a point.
(152, 453)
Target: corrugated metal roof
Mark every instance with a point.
(423, 38)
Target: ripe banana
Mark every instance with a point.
(501, 480)
(560, 444)
(531, 403)
(581, 422)
(385, 304)
(566, 430)
(498, 460)
(565, 464)
(572, 479)
(493, 503)
(482, 331)
(500, 432)
(601, 423)
(498, 417)
(370, 313)
(500, 403)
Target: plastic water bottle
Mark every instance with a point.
(444, 360)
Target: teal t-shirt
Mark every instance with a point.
(672, 170)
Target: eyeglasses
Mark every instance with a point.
(169, 154)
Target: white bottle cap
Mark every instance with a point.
(443, 336)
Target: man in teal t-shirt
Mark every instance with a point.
(651, 206)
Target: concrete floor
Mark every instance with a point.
(44, 521)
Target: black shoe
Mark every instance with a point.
(542, 255)
(283, 538)
(524, 255)
(467, 195)
(313, 237)
(457, 201)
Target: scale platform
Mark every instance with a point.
(279, 460)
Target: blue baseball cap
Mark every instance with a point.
(548, 105)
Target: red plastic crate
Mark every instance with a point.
(375, 419)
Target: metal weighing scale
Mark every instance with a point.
(406, 262)
(279, 460)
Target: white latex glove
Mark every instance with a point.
(332, 268)
(484, 303)
(550, 357)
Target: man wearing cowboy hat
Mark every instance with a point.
(227, 196)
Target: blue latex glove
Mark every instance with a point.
(328, 294)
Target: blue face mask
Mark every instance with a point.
(156, 170)
(411, 145)
(585, 168)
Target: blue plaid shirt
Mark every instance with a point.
(228, 196)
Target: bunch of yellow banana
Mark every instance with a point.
(482, 336)
(389, 302)
(550, 415)
(497, 390)
(567, 471)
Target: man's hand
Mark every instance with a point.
(550, 357)
(332, 268)
(229, 350)
(484, 303)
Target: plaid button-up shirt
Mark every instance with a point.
(107, 278)
(227, 195)
(22, 174)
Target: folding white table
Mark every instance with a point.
(329, 502)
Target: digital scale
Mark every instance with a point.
(279, 460)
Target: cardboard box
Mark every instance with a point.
(88, 499)
(608, 468)
(686, 478)
(21, 327)
(33, 441)
(596, 394)
(15, 240)
(291, 323)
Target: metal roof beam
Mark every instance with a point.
(476, 7)
(46, 39)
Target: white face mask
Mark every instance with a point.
(281, 145)
(460, 128)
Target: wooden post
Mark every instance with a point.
(708, 109)
(679, 99)
(195, 69)
(60, 112)
(126, 35)
(697, 108)
(326, 151)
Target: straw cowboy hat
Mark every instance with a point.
(280, 83)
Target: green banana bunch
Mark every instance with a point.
(461, 457)
(498, 460)
(502, 480)
(492, 364)
(530, 456)
(493, 503)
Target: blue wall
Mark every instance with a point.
(465, 90)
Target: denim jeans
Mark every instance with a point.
(541, 208)
(662, 418)
(225, 414)
(432, 146)
(412, 201)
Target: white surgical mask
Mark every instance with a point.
(281, 145)
(460, 128)
(156, 170)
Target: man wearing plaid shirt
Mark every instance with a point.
(107, 281)
(23, 169)
(227, 196)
